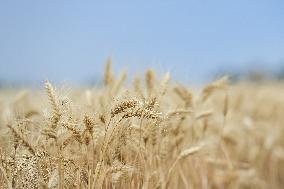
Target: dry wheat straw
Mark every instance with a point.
(179, 112)
(204, 114)
(9, 184)
(185, 153)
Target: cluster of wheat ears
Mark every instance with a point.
(154, 134)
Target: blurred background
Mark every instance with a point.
(194, 40)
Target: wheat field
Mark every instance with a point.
(150, 134)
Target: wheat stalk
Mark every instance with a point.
(9, 184)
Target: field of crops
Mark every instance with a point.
(153, 133)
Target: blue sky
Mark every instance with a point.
(70, 40)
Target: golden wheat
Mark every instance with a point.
(227, 136)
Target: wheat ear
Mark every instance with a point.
(19, 136)
(184, 94)
(123, 106)
(185, 153)
(108, 77)
(218, 84)
(118, 83)
(53, 102)
(149, 79)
